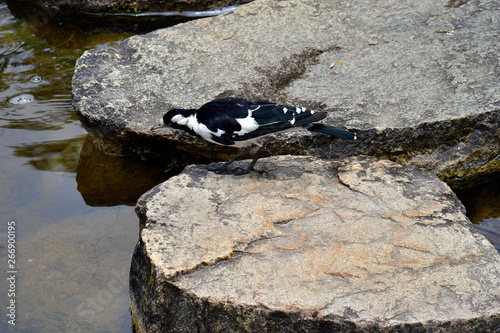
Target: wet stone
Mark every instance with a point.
(356, 245)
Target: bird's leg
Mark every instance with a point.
(239, 171)
(224, 168)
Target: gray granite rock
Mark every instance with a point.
(357, 245)
(418, 80)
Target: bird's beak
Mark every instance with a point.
(156, 126)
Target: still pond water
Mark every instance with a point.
(71, 205)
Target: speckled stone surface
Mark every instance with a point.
(418, 80)
(354, 245)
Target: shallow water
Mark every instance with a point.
(75, 226)
(483, 209)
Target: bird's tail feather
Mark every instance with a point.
(335, 131)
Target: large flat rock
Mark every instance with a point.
(358, 245)
(418, 80)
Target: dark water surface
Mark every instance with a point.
(483, 209)
(69, 206)
(72, 206)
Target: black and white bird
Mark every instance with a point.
(237, 122)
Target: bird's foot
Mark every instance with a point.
(224, 170)
(241, 171)
(220, 169)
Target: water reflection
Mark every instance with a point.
(51, 110)
(483, 209)
(490, 229)
(69, 253)
(105, 180)
(58, 155)
(75, 30)
(482, 202)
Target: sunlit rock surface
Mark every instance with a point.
(418, 80)
(358, 245)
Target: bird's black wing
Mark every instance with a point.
(222, 114)
(228, 114)
(276, 118)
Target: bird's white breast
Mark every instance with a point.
(202, 130)
(247, 124)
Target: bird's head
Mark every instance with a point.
(174, 118)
